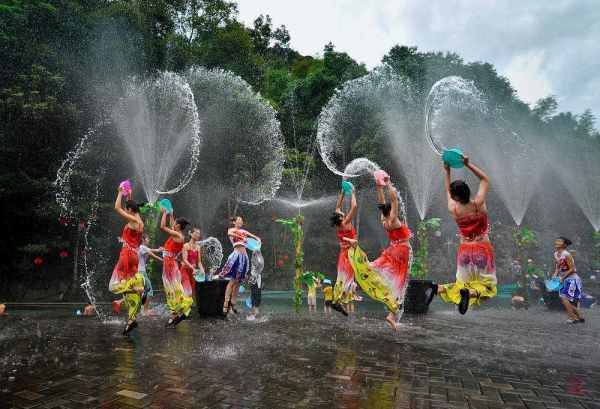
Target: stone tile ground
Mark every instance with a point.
(491, 358)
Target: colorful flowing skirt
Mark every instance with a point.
(236, 267)
(342, 291)
(572, 288)
(476, 270)
(386, 278)
(178, 301)
(127, 281)
(188, 281)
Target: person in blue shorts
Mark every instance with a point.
(571, 290)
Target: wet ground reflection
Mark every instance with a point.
(494, 357)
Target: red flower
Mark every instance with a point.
(63, 254)
(279, 263)
(286, 257)
(38, 261)
(62, 220)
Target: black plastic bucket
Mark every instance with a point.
(210, 296)
(416, 296)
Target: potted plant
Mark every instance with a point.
(416, 292)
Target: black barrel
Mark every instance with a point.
(552, 300)
(210, 296)
(415, 300)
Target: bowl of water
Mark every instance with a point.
(125, 187)
(453, 157)
(252, 244)
(166, 204)
(347, 187)
(553, 284)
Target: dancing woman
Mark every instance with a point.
(476, 270)
(238, 263)
(342, 291)
(191, 261)
(125, 279)
(386, 278)
(178, 302)
(571, 290)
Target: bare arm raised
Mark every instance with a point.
(119, 208)
(484, 181)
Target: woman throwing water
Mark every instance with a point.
(342, 291)
(178, 301)
(238, 264)
(125, 279)
(476, 269)
(386, 278)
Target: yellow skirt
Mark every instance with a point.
(485, 287)
(132, 292)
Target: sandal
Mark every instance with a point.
(178, 320)
(130, 327)
(171, 322)
(338, 307)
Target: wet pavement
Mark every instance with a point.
(492, 358)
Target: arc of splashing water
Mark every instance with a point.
(195, 150)
(212, 251)
(140, 91)
(466, 92)
(63, 175)
(377, 88)
(199, 77)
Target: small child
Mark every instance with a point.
(327, 295)
(571, 290)
(143, 252)
(312, 294)
(89, 310)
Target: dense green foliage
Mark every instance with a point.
(60, 56)
(420, 262)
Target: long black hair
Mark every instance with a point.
(182, 222)
(385, 209)
(336, 219)
(460, 191)
(134, 206)
(566, 241)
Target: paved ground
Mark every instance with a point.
(492, 358)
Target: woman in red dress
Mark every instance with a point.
(386, 278)
(346, 233)
(191, 263)
(476, 268)
(178, 302)
(125, 279)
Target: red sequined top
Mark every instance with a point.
(173, 247)
(402, 233)
(192, 257)
(350, 234)
(132, 238)
(473, 226)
